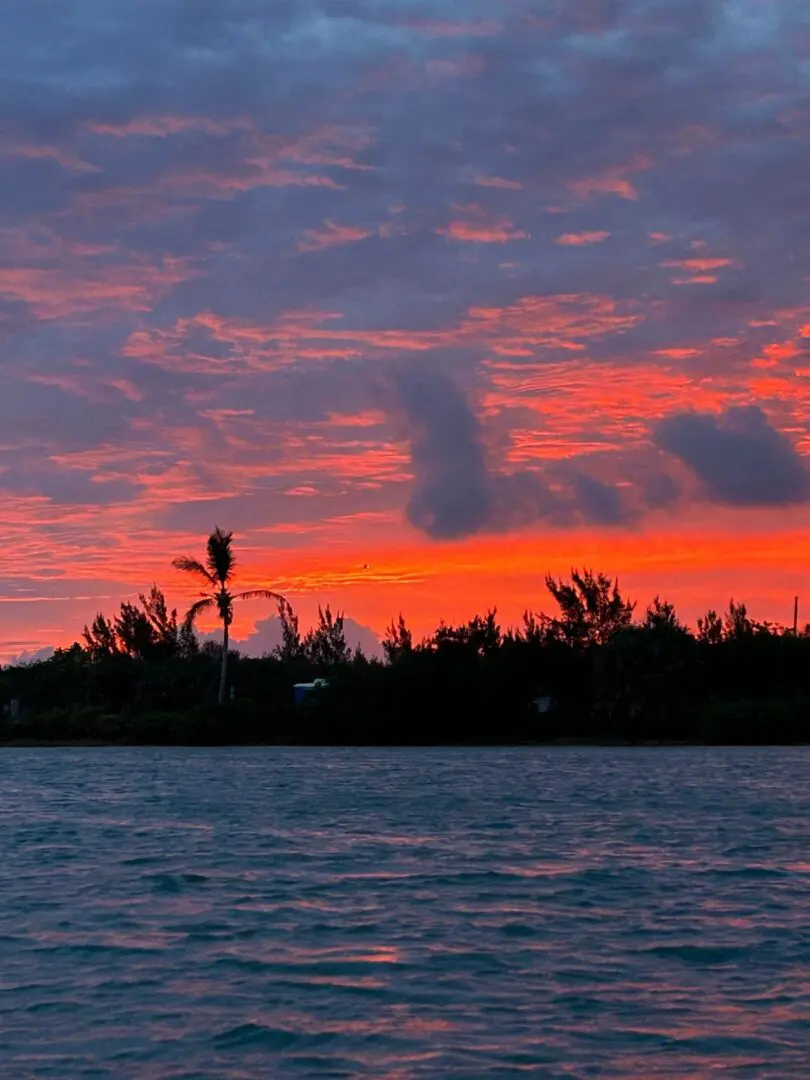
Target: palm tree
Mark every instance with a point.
(217, 575)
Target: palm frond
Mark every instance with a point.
(198, 608)
(220, 560)
(194, 566)
(258, 594)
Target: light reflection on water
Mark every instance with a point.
(404, 914)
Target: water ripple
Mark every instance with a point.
(231, 914)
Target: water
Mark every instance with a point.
(404, 913)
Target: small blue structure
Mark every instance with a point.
(302, 689)
(543, 703)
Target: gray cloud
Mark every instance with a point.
(740, 458)
(598, 502)
(451, 493)
(456, 489)
(661, 491)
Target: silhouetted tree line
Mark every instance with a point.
(596, 669)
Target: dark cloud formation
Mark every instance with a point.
(740, 458)
(661, 491)
(599, 503)
(452, 490)
(456, 490)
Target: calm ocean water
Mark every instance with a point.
(404, 913)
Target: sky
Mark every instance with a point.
(422, 298)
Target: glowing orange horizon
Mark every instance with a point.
(377, 581)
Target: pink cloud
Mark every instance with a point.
(43, 152)
(481, 227)
(613, 181)
(580, 239)
(699, 264)
(69, 289)
(604, 185)
(329, 145)
(333, 235)
(500, 232)
(678, 354)
(520, 329)
(161, 126)
(498, 182)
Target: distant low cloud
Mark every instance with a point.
(739, 456)
(32, 656)
(267, 636)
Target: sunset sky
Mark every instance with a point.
(422, 298)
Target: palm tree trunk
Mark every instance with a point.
(223, 671)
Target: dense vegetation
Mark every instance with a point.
(605, 671)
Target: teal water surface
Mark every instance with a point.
(222, 914)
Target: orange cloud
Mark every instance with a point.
(500, 232)
(530, 324)
(699, 264)
(678, 354)
(71, 289)
(613, 181)
(481, 227)
(580, 239)
(777, 352)
(697, 269)
(558, 321)
(362, 420)
(586, 407)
